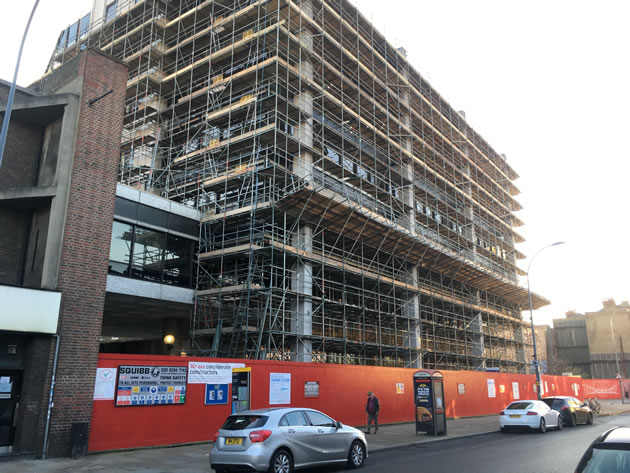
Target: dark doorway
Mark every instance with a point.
(10, 387)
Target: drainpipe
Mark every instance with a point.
(50, 396)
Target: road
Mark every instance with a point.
(517, 452)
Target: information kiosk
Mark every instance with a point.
(428, 394)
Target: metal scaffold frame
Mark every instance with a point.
(350, 215)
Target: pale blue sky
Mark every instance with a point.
(545, 82)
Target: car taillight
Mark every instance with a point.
(259, 435)
(502, 413)
(565, 408)
(216, 435)
(531, 413)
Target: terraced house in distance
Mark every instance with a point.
(347, 213)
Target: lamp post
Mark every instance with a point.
(612, 336)
(531, 318)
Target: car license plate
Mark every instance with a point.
(234, 441)
(514, 416)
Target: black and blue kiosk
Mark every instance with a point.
(428, 393)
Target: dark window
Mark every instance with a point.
(152, 255)
(61, 43)
(84, 25)
(148, 253)
(177, 261)
(120, 248)
(72, 33)
(295, 418)
(110, 12)
(554, 403)
(184, 225)
(320, 420)
(152, 216)
(517, 406)
(240, 422)
(125, 208)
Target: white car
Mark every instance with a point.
(531, 414)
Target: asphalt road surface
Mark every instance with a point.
(516, 452)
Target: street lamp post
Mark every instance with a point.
(612, 336)
(531, 318)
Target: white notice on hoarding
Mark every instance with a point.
(279, 388)
(105, 384)
(492, 390)
(515, 393)
(201, 372)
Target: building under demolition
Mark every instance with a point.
(348, 214)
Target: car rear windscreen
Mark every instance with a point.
(240, 422)
(519, 406)
(554, 403)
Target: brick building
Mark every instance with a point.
(57, 193)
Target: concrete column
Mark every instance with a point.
(302, 272)
(411, 310)
(477, 327)
(302, 306)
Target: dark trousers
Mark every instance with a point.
(373, 417)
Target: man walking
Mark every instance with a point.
(371, 408)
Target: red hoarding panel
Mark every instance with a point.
(342, 395)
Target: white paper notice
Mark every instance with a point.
(515, 393)
(279, 388)
(200, 372)
(492, 390)
(105, 384)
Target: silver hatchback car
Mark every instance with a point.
(280, 440)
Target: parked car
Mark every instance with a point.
(571, 409)
(280, 440)
(532, 414)
(609, 453)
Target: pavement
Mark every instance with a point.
(194, 458)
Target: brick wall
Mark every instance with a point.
(87, 232)
(34, 395)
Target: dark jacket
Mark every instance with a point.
(378, 407)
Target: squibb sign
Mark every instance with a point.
(211, 373)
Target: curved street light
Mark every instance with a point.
(531, 318)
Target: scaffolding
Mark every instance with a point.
(350, 215)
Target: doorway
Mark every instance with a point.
(10, 387)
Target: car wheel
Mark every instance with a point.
(543, 425)
(356, 455)
(589, 421)
(560, 423)
(573, 421)
(281, 462)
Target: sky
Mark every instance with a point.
(545, 82)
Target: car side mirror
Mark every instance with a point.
(338, 424)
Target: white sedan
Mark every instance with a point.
(529, 414)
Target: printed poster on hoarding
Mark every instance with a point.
(492, 390)
(279, 388)
(211, 373)
(515, 392)
(105, 384)
(311, 389)
(151, 385)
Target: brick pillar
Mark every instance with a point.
(87, 230)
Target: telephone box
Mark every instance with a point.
(428, 393)
(241, 399)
